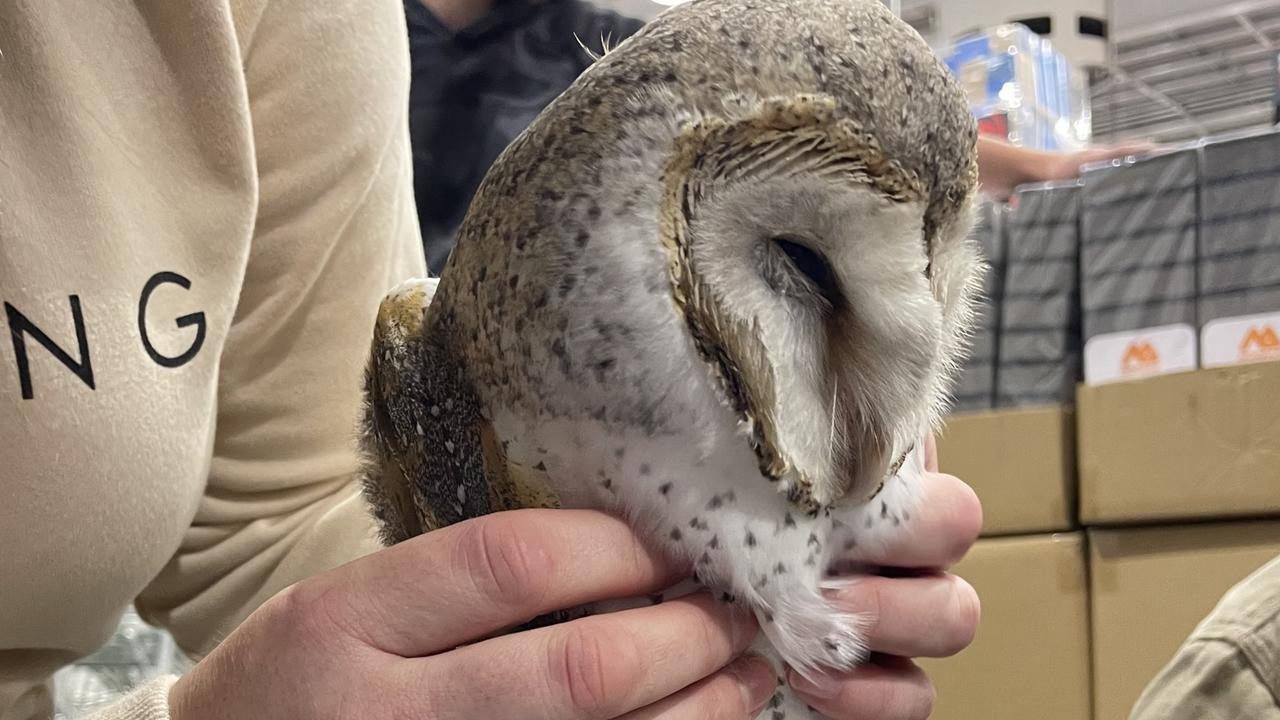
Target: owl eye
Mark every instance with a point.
(810, 263)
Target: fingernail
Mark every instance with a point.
(821, 686)
(756, 680)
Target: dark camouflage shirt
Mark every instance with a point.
(474, 91)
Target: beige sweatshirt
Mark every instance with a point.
(201, 203)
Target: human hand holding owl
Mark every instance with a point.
(373, 639)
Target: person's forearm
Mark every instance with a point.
(457, 15)
(1002, 165)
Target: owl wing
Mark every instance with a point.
(431, 455)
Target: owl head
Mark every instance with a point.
(807, 170)
(818, 170)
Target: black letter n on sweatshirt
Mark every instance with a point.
(19, 326)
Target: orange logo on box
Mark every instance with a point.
(1138, 357)
(1260, 342)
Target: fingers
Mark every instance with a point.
(944, 525)
(887, 689)
(596, 667)
(739, 691)
(928, 616)
(463, 582)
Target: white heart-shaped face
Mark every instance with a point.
(835, 281)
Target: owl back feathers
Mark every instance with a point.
(431, 457)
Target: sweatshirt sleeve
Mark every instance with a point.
(148, 702)
(327, 87)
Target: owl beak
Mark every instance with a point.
(868, 480)
(860, 472)
(864, 488)
(863, 468)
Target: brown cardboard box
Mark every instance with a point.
(1020, 462)
(1202, 444)
(1030, 658)
(1150, 587)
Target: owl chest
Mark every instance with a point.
(586, 463)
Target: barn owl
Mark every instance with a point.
(719, 286)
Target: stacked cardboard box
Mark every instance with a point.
(1030, 658)
(1192, 446)
(1020, 462)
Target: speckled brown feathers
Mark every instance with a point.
(430, 456)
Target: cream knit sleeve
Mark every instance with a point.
(149, 702)
(336, 227)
